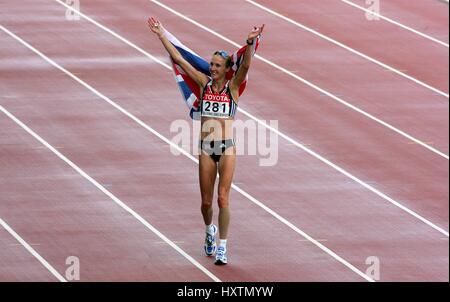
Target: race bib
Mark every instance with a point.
(216, 105)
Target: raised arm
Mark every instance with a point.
(240, 75)
(156, 27)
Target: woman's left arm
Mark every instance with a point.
(239, 78)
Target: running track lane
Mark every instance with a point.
(343, 235)
(429, 17)
(383, 41)
(61, 214)
(17, 264)
(385, 161)
(137, 167)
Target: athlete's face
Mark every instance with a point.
(217, 67)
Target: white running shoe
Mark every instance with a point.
(210, 242)
(221, 256)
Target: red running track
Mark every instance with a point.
(430, 18)
(380, 40)
(138, 168)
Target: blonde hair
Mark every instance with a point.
(224, 55)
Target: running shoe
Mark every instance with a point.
(221, 256)
(210, 242)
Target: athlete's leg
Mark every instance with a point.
(226, 170)
(207, 175)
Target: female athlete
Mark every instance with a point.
(218, 104)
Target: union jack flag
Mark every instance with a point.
(188, 87)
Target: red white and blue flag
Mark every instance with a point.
(188, 87)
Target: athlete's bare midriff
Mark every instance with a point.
(216, 128)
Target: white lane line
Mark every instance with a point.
(109, 194)
(396, 23)
(354, 51)
(32, 251)
(292, 141)
(132, 45)
(334, 97)
(173, 145)
(354, 178)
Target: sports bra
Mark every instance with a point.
(217, 105)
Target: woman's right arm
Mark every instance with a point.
(200, 78)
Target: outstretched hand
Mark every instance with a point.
(255, 32)
(155, 26)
